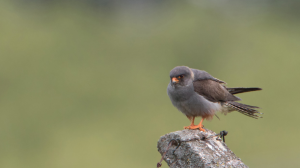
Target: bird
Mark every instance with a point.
(198, 94)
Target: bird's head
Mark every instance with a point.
(181, 76)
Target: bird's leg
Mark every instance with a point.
(199, 126)
(192, 123)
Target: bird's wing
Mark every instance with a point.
(201, 75)
(213, 91)
(242, 90)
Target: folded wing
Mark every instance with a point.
(242, 90)
(213, 91)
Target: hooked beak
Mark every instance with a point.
(174, 80)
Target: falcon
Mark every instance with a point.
(198, 94)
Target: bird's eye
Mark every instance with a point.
(180, 76)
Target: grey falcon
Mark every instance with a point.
(198, 94)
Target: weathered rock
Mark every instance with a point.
(197, 150)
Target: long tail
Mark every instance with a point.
(244, 109)
(242, 90)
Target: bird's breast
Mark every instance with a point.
(191, 103)
(180, 93)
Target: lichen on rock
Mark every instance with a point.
(197, 149)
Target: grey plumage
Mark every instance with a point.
(203, 75)
(197, 93)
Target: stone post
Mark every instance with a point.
(196, 149)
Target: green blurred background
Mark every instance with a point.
(84, 85)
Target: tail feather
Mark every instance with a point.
(242, 90)
(244, 109)
(246, 106)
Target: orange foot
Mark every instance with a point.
(193, 127)
(199, 126)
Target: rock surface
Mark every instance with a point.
(197, 150)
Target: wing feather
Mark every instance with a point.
(202, 75)
(238, 90)
(213, 91)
